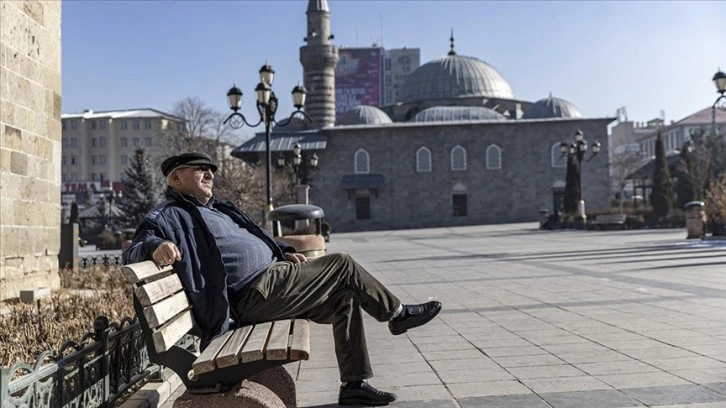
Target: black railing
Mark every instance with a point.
(100, 260)
(94, 372)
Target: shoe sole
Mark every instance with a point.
(363, 403)
(405, 329)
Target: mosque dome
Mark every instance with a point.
(551, 107)
(364, 115)
(455, 76)
(456, 113)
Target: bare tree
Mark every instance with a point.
(701, 163)
(244, 185)
(623, 165)
(235, 180)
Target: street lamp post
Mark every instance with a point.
(300, 168)
(575, 152)
(267, 107)
(719, 79)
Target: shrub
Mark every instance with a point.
(67, 314)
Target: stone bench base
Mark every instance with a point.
(273, 388)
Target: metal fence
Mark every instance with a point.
(95, 372)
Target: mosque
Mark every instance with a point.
(458, 148)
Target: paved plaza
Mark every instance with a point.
(541, 319)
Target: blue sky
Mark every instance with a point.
(647, 56)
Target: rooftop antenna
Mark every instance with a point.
(381, 23)
(451, 39)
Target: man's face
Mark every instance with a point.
(195, 180)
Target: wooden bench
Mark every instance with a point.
(165, 315)
(604, 221)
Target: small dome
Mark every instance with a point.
(456, 113)
(455, 76)
(364, 115)
(551, 107)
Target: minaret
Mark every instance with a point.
(319, 58)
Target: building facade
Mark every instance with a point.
(398, 64)
(457, 148)
(98, 146)
(30, 145)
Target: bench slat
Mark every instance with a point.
(162, 312)
(143, 270)
(277, 345)
(229, 355)
(157, 290)
(254, 348)
(205, 362)
(300, 342)
(168, 334)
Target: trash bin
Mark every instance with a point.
(695, 219)
(311, 245)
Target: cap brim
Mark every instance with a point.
(199, 162)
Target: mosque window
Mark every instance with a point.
(361, 162)
(458, 159)
(494, 157)
(423, 160)
(558, 159)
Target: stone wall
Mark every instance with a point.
(408, 199)
(30, 145)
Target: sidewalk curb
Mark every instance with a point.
(154, 394)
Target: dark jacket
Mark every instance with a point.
(201, 269)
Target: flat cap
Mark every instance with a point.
(190, 158)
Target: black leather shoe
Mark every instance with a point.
(362, 393)
(413, 316)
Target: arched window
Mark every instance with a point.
(558, 159)
(458, 158)
(494, 157)
(361, 162)
(423, 160)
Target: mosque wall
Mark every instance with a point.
(410, 199)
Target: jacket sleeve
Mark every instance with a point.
(147, 238)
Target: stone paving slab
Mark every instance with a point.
(582, 319)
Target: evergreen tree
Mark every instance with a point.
(685, 188)
(572, 186)
(142, 189)
(662, 196)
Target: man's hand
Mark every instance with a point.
(295, 257)
(166, 254)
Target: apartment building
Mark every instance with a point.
(97, 146)
(644, 134)
(398, 64)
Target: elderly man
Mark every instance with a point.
(232, 268)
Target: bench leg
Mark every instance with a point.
(279, 381)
